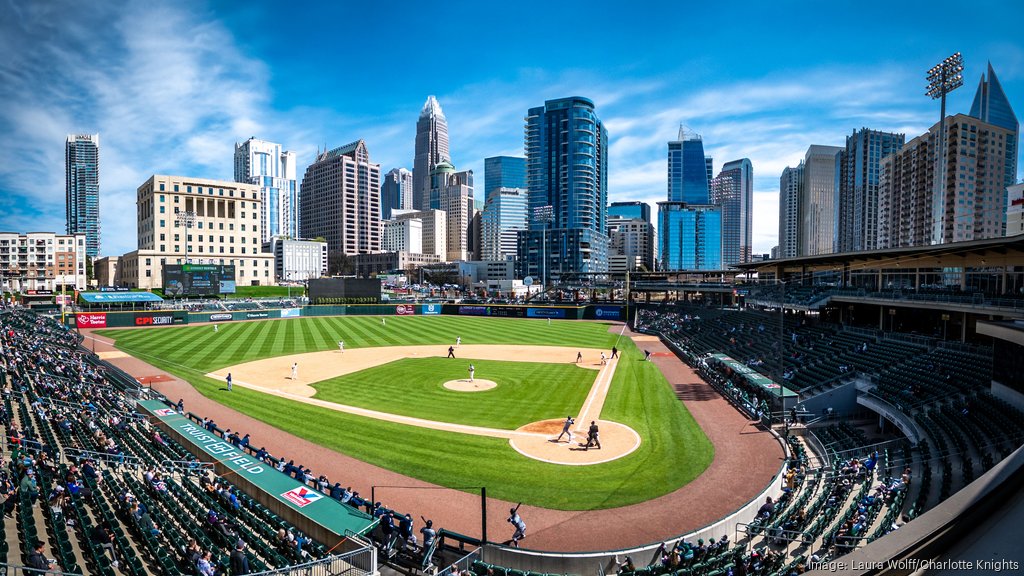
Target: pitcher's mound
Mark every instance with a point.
(477, 385)
(537, 441)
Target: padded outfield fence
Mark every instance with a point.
(156, 318)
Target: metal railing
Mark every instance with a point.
(355, 563)
(103, 458)
(461, 565)
(16, 570)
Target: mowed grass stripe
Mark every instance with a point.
(526, 392)
(237, 338)
(199, 347)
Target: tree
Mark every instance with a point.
(339, 264)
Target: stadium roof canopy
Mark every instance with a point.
(991, 252)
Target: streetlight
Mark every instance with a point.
(943, 78)
(544, 215)
(185, 218)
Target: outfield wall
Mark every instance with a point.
(151, 318)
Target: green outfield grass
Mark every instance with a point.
(526, 392)
(201, 348)
(674, 449)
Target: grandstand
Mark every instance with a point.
(82, 458)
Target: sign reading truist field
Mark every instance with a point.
(327, 512)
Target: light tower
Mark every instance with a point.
(943, 78)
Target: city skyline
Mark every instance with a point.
(178, 103)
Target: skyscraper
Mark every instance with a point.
(504, 172)
(733, 190)
(972, 205)
(395, 192)
(689, 236)
(264, 164)
(630, 210)
(689, 171)
(633, 239)
(504, 213)
(452, 192)
(431, 150)
(817, 201)
(567, 178)
(789, 211)
(82, 188)
(340, 200)
(504, 216)
(689, 227)
(857, 208)
(992, 106)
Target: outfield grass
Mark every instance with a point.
(526, 392)
(674, 449)
(236, 342)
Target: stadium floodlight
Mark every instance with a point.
(943, 78)
(187, 219)
(544, 215)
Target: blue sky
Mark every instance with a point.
(171, 86)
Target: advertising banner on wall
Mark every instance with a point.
(608, 312)
(154, 319)
(430, 309)
(91, 320)
(221, 317)
(545, 312)
(405, 309)
(474, 310)
(291, 312)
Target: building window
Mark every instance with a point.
(163, 248)
(161, 209)
(189, 189)
(161, 186)
(162, 224)
(149, 273)
(161, 196)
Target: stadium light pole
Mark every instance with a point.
(943, 78)
(544, 215)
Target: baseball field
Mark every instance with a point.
(392, 397)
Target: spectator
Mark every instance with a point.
(37, 559)
(239, 562)
(205, 565)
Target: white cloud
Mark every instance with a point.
(161, 102)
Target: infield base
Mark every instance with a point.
(538, 441)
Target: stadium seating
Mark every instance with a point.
(63, 401)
